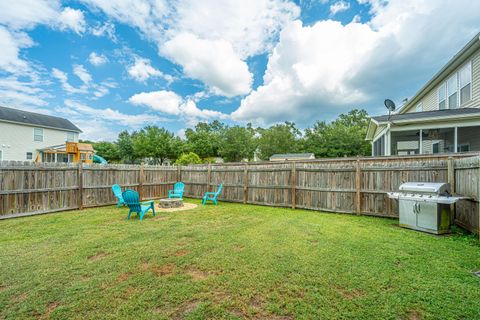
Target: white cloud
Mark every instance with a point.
(212, 61)
(111, 115)
(169, 102)
(250, 26)
(229, 30)
(11, 44)
(22, 94)
(142, 69)
(20, 15)
(106, 29)
(339, 6)
(25, 14)
(72, 19)
(82, 73)
(97, 59)
(320, 70)
(63, 78)
(164, 101)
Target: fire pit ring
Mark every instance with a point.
(169, 203)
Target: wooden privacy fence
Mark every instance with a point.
(357, 185)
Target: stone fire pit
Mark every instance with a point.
(170, 203)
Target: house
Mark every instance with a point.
(28, 136)
(292, 156)
(442, 117)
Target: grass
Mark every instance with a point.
(232, 261)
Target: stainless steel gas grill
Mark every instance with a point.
(425, 206)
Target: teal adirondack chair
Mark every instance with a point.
(117, 191)
(212, 196)
(132, 199)
(177, 191)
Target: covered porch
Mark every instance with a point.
(444, 131)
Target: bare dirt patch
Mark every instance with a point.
(19, 297)
(164, 270)
(350, 294)
(197, 274)
(98, 256)
(413, 315)
(51, 307)
(181, 253)
(238, 248)
(184, 309)
(124, 277)
(144, 266)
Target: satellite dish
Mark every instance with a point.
(390, 105)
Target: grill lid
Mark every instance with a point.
(440, 188)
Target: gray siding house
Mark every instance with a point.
(442, 117)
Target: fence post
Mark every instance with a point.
(179, 173)
(478, 197)
(451, 182)
(294, 185)
(140, 182)
(245, 183)
(80, 185)
(209, 176)
(358, 187)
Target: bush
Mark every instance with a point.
(188, 158)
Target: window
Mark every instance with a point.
(452, 92)
(379, 146)
(90, 156)
(419, 107)
(29, 155)
(82, 156)
(70, 137)
(463, 147)
(37, 134)
(457, 90)
(465, 83)
(442, 104)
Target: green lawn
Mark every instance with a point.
(232, 261)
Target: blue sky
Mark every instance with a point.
(115, 65)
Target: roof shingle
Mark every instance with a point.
(36, 119)
(428, 114)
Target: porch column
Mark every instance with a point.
(455, 140)
(421, 141)
(388, 135)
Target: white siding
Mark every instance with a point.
(430, 99)
(17, 139)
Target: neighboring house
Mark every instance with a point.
(24, 136)
(292, 156)
(444, 116)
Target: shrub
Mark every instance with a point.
(188, 158)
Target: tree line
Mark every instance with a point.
(345, 136)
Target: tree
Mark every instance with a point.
(125, 147)
(108, 150)
(280, 138)
(343, 137)
(237, 143)
(153, 143)
(188, 158)
(205, 139)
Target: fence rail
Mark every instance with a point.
(353, 185)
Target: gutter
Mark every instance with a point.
(41, 126)
(436, 119)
